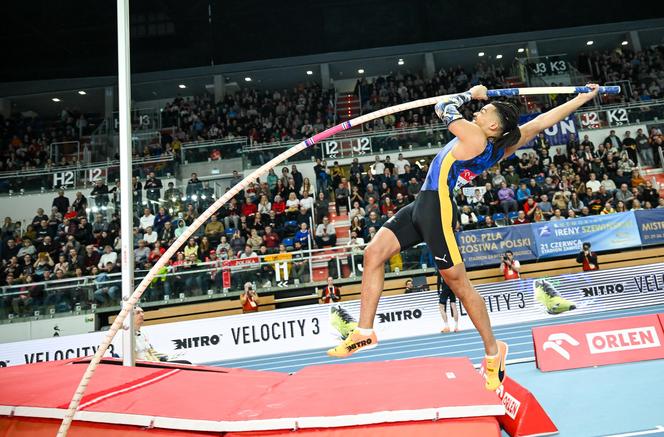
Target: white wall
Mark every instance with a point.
(46, 327)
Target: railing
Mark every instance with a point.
(620, 114)
(356, 145)
(190, 281)
(79, 176)
(212, 150)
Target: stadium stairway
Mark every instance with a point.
(348, 106)
(516, 82)
(321, 266)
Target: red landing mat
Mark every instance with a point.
(201, 399)
(468, 427)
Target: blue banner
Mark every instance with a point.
(651, 226)
(556, 134)
(603, 232)
(487, 246)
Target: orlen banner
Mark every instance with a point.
(310, 327)
(595, 343)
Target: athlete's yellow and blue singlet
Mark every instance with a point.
(432, 217)
(448, 174)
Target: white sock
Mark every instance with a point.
(365, 331)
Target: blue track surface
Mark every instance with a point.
(464, 343)
(622, 400)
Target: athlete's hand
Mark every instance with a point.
(586, 97)
(478, 92)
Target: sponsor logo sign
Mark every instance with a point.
(597, 343)
(237, 337)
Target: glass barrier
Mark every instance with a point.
(434, 136)
(213, 150)
(80, 176)
(358, 145)
(642, 112)
(191, 281)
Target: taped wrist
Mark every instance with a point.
(448, 108)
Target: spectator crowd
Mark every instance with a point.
(273, 218)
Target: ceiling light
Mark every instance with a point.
(589, 43)
(624, 43)
(499, 56)
(247, 79)
(55, 99)
(521, 50)
(361, 71)
(81, 92)
(309, 72)
(183, 86)
(400, 62)
(480, 54)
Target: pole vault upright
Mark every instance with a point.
(126, 209)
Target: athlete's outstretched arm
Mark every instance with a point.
(543, 121)
(469, 134)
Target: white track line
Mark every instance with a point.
(657, 429)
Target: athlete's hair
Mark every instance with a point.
(509, 121)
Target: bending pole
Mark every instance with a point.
(136, 295)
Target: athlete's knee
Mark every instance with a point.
(375, 254)
(457, 280)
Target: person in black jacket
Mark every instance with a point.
(61, 202)
(153, 188)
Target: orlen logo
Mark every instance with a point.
(555, 343)
(622, 340)
(511, 403)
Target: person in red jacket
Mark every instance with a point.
(278, 206)
(331, 293)
(249, 299)
(249, 208)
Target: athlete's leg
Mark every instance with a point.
(396, 234)
(455, 313)
(443, 313)
(378, 251)
(458, 281)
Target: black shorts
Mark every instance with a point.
(431, 218)
(446, 294)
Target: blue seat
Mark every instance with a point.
(288, 242)
(292, 224)
(512, 215)
(480, 218)
(499, 218)
(539, 179)
(230, 231)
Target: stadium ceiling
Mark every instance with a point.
(47, 40)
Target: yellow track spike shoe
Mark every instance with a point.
(355, 342)
(495, 367)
